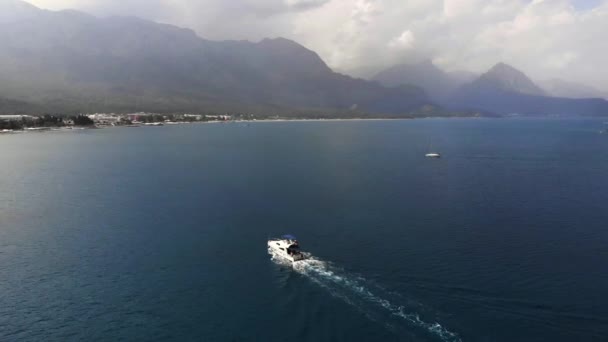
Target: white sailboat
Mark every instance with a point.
(432, 154)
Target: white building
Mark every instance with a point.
(16, 117)
(106, 119)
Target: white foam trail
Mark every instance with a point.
(357, 292)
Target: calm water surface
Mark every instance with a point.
(159, 233)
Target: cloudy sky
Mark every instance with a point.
(545, 38)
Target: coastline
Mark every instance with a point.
(248, 121)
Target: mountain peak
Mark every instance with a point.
(14, 10)
(16, 4)
(286, 53)
(279, 40)
(504, 69)
(425, 74)
(283, 44)
(503, 65)
(508, 78)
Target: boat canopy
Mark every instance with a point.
(289, 237)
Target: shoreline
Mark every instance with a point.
(249, 121)
(162, 124)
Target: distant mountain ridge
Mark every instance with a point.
(14, 10)
(502, 90)
(72, 60)
(437, 83)
(561, 88)
(506, 78)
(506, 90)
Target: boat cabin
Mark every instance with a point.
(287, 246)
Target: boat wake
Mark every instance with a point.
(375, 302)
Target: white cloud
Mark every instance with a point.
(456, 8)
(403, 42)
(561, 60)
(545, 38)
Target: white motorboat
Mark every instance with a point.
(286, 247)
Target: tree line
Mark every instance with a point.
(45, 121)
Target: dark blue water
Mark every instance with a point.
(159, 233)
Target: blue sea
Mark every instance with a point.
(159, 233)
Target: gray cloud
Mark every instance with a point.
(302, 5)
(545, 38)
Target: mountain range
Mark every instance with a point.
(508, 91)
(561, 88)
(69, 61)
(501, 90)
(437, 83)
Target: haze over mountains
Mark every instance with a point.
(506, 90)
(561, 88)
(438, 84)
(72, 61)
(502, 90)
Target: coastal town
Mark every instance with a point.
(14, 123)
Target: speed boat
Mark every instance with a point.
(286, 247)
(433, 155)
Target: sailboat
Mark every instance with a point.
(432, 154)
